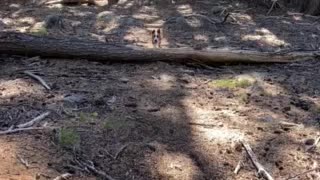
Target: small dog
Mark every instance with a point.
(156, 38)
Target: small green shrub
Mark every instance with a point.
(117, 124)
(68, 138)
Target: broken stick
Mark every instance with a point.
(24, 162)
(261, 170)
(37, 78)
(240, 163)
(63, 176)
(33, 121)
(10, 131)
(238, 167)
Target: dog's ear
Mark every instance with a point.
(158, 31)
(153, 31)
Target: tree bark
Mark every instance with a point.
(29, 45)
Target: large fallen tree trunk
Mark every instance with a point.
(28, 45)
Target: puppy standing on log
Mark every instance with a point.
(156, 38)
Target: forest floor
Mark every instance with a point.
(161, 120)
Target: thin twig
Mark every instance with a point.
(302, 14)
(108, 153)
(272, 6)
(120, 150)
(202, 125)
(261, 170)
(63, 176)
(76, 168)
(24, 162)
(37, 78)
(33, 121)
(303, 173)
(202, 16)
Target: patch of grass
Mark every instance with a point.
(116, 124)
(87, 117)
(41, 31)
(231, 83)
(68, 138)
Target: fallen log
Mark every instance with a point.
(30, 45)
(71, 2)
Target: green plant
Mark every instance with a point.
(68, 138)
(230, 83)
(87, 117)
(116, 124)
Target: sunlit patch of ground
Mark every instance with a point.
(18, 87)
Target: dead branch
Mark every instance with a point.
(90, 166)
(202, 16)
(33, 121)
(38, 78)
(24, 129)
(64, 176)
(261, 170)
(100, 173)
(69, 2)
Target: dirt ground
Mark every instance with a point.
(161, 120)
